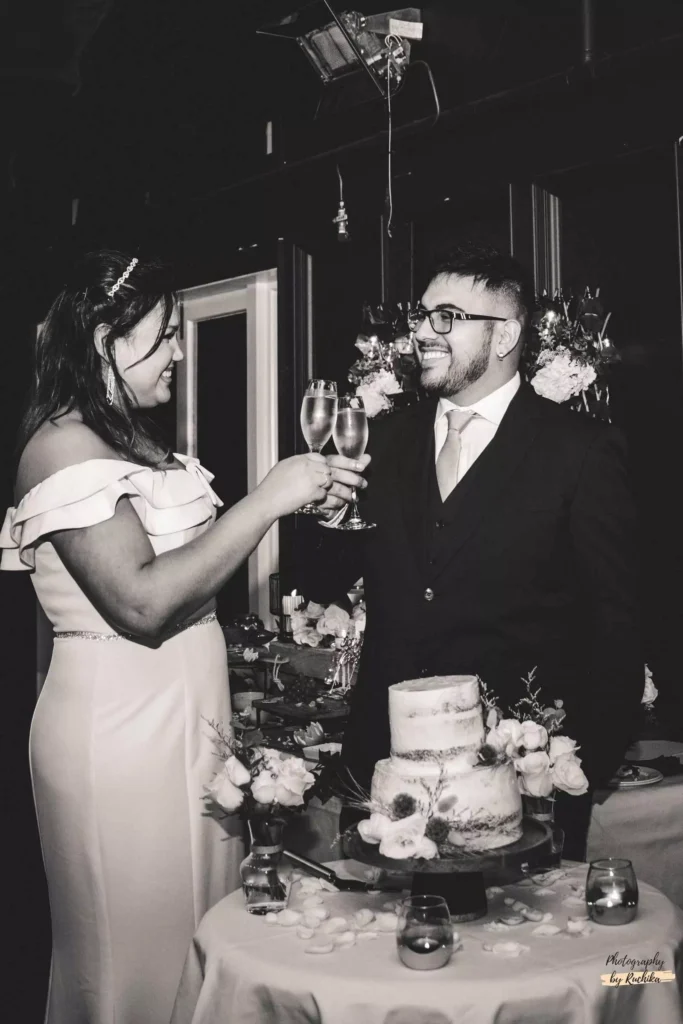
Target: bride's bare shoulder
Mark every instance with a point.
(58, 443)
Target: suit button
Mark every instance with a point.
(429, 594)
(439, 524)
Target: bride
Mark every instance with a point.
(127, 557)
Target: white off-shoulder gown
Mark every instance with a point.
(120, 752)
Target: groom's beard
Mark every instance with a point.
(460, 375)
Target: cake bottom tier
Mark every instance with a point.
(482, 806)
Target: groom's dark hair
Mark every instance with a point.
(497, 271)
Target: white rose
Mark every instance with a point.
(263, 788)
(506, 737)
(560, 745)
(373, 829)
(335, 621)
(534, 736)
(308, 637)
(358, 617)
(373, 401)
(299, 621)
(224, 792)
(540, 784)
(561, 377)
(567, 775)
(533, 763)
(314, 611)
(236, 772)
(291, 782)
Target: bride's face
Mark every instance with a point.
(148, 377)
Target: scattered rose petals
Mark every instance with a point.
(573, 901)
(295, 876)
(287, 918)
(546, 930)
(312, 901)
(525, 883)
(544, 892)
(509, 901)
(506, 949)
(366, 935)
(319, 913)
(373, 874)
(335, 924)
(493, 890)
(495, 926)
(305, 933)
(362, 918)
(390, 905)
(271, 918)
(547, 917)
(574, 927)
(327, 886)
(531, 914)
(345, 939)
(320, 947)
(511, 920)
(519, 906)
(386, 922)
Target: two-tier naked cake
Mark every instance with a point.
(437, 730)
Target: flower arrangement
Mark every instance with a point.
(316, 625)
(528, 739)
(568, 356)
(256, 780)
(650, 691)
(385, 373)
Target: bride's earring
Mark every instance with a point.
(110, 386)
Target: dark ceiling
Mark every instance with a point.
(128, 104)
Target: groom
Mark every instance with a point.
(504, 538)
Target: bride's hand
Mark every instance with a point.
(296, 481)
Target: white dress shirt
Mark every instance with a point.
(480, 430)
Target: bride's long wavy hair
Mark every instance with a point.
(68, 368)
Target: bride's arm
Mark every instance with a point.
(147, 594)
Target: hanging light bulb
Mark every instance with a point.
(342, 218)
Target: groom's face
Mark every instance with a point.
(454, 361)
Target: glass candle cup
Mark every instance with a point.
(424, 934)
(611, 891)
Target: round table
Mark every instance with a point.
(243, 970)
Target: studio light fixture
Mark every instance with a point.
(340, 44)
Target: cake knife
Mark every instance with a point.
(343, 884)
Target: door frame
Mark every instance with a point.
(255, 295)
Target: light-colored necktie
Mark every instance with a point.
(449, 456)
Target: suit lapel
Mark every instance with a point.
(474, 498)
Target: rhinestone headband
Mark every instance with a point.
(124, 277)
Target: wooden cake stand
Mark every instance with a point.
(459, 879)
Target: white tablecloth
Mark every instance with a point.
(241, 970)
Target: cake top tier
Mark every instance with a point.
(437, 713)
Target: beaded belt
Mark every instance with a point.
(84, 634)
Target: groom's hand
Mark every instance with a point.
(346, 475)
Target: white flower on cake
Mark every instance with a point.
(401, 840)
(561, 376)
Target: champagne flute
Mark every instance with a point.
(318, 413)
(351, 437)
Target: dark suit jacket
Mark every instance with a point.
(530, 562)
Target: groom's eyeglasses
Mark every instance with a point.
(442, 319)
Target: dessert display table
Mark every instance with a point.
(241, 968)
(459, 879)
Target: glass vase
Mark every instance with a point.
(542, 808)
(264, 889)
